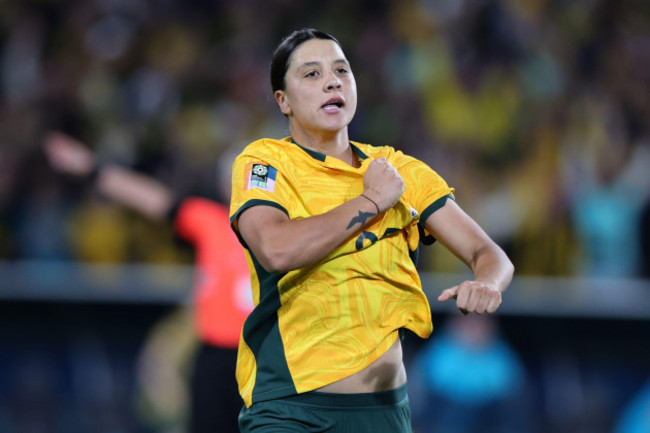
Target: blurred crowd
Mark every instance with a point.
(537, 112)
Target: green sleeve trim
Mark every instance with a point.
(425, 238)
(434, 207)
(249, 204)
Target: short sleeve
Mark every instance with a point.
(255, 182)
(425, 189)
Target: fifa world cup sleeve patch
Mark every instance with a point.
(261, 176)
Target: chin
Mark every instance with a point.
(333, 129)
(336, 124)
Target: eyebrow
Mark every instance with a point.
(317, 63)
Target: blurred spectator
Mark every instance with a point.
(645, 239)
(486, 89)
(608, 193)
(467, 379)
(635, 417)
(222, 296)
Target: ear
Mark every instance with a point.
(283, 102)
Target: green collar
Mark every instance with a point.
(321, 156)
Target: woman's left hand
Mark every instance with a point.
(473, 297)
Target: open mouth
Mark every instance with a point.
(334, 102)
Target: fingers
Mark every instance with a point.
(383, 167)
(494, 304)
(473, 297)
(448, 294)
(68, 155)
(50, 144)
(383, 183)
(451, 293)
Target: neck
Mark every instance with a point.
(335, 144)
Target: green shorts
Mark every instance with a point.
(318, 412)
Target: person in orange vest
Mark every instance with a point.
(222, 292)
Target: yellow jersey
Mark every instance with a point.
(316, 325)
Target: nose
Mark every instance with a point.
(332, 82)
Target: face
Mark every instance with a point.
(320, 92)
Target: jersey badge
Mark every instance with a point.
(262, 176)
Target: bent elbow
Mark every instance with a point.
(511, 269)
(272, 267)
(509, 273)
(274, 262)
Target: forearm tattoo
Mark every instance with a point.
(361, 218)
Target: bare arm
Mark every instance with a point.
(281, 244)
(140, 192)
(492, 269)
(137, 191)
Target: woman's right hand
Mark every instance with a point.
(383, 184)
(67, 155)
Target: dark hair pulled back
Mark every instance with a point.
(282, 54)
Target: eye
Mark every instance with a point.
(342, 70)
(311, 74)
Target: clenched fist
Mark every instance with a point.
(473, 297)
(383, 184)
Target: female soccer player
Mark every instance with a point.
(331, 229)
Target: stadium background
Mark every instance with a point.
(537, 112)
